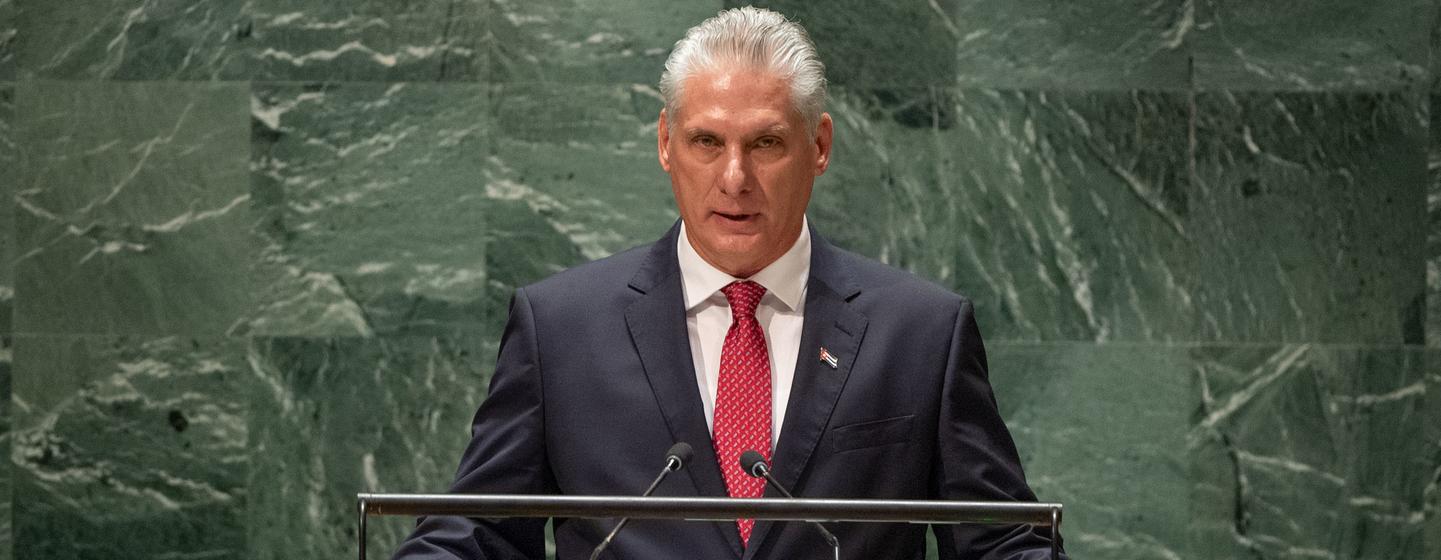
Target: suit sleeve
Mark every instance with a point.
(506, 455)
(977, 458)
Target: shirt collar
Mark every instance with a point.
(785, 278)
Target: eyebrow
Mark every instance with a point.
(779, 128)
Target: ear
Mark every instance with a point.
(824, 132)
(662, 148)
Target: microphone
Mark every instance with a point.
(675, 458)
(755, 465)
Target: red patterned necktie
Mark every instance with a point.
(743, 396)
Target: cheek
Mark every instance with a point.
(689, 195)
(794, 198)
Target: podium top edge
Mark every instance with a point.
(711, 508)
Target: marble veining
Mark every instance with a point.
(132, 39)
(1432, 434)
(1103, 46)
(335, 416)
(572, 176)
(1327, 46)
(370, 40)
(1092, 438)
(128, 448)
(1309, 450)
(1061, 214)
(7, 478)
(1306, 209)
(130, 214)
(618, 41)
(584, 159)
(1433, 227)
(1434, 45)
(9, 160)
(371, 200)
(906, 42)
(8, 33)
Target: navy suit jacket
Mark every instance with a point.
(595, 381)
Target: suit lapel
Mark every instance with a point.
(830, 324)
(658, 329)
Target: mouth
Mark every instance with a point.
(736, 218)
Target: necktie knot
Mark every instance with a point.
(743, 296)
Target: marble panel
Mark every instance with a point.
(7, 498)
(1062, 215)
(338, 416)
(368, 40)
(373, 199)
(132, 39)
(1432, 492)
(1435, 47)
(879, 44)
(132, 211)
(1132, 44)
(9, 159)
(9, 31)
(1305, 211)
(1309, 451)
(1433, 227)
(572, 177)
(572, 41)
(129, 448)
(1101, 429)
(1311, 46)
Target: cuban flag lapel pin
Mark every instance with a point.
(829, 358)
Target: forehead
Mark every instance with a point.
(736, 96)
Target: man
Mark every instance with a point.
(740, 329)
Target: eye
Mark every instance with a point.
(768, 142)
(706, 141)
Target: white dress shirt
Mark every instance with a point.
(780, 314)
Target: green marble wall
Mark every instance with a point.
(255, 255)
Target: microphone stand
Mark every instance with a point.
(675, 458)
(759, 468)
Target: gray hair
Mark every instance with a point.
(753, 38)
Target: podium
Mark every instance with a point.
(711, 509)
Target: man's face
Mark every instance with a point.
(741, 163)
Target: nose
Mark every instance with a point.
(736, 176)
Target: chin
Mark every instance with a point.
(738, 246)
(751, 260)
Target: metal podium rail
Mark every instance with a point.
(711, 509)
